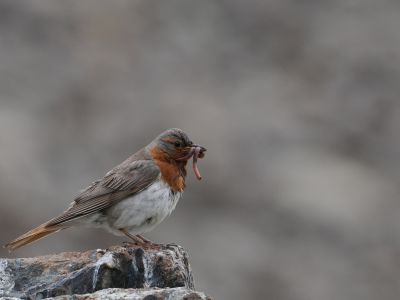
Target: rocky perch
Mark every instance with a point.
(120, 272)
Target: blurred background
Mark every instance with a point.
(297, 103)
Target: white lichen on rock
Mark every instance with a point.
(6, 279)
(107, 260)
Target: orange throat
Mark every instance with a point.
(172, 173)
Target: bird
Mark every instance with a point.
(133, 197)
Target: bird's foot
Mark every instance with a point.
(130, 244)
(147, 244)
(140, 241)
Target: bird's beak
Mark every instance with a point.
(194, 149)
(202, 149)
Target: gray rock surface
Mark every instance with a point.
(141, 294)
(120, 272)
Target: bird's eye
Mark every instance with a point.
(177, 144)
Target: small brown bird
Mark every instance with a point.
(133, 197)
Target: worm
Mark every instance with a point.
(195, 152)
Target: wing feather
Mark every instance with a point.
(123, 181)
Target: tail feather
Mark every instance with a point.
(32, 236)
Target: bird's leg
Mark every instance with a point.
(148, 243)
(144, 239)
(137, 240)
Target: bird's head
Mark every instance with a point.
(175, 145)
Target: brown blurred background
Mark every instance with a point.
(296, 101)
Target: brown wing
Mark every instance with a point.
(125, 180)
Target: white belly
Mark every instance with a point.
(140, 213)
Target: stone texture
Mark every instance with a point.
(119, 270)
(141, 294)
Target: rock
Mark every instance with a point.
(120, 272)
(141, 294)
